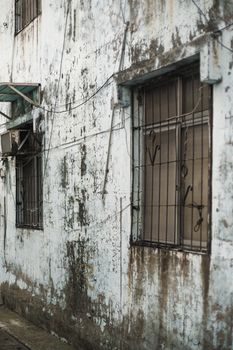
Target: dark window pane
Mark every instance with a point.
(161, 103)
(25, 12)
(160, 186)
(195, 161)
(29, 192)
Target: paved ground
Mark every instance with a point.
(7, 342)
(19, 334)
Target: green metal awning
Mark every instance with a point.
(10, 92)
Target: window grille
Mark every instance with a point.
(171, 133)
(25, 12)
(29, 194)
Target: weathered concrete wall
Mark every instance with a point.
(79, 277)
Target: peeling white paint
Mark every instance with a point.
(195, 312)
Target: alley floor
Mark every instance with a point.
(19, 334)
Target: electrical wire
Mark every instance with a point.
(225, 47)
(223, 28)
(79, 141)
(217, 30)
(200, 10)
(105, 84)
(83, 102)
(94, 225)
(58, 86)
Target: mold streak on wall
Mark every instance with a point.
(81, 277)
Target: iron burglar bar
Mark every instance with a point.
(24, 142)
(172, 162)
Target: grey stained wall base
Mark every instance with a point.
(32, 337)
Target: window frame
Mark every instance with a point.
(33, 157)
(138, 152)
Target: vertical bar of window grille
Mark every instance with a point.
(210, 157)
(40, 204)
(28, 12)
(135, 131)
(176, 165)
(16, 26)
(167, 210)
(140, 168)
(29, 198)
(152, 166)
(35, 205)
(159, 165)
(18, 15)
(34, 9)
(24, 179)
(35, 12)
(31, 191)
(17, 194)
(201, 93)
(37, 213)
(25, 12)
(21, 14)
(31, 14)
(193, 155)
(147, 169)
(23, 196)
(37, 7)
(20, 207)
(22, 193)
(180, 223)
(27, 194)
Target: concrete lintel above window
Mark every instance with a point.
(134, 76)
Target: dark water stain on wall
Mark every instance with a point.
(76, 293)
(83, 149)
(64, 172)
(82, 216)
(69, 212)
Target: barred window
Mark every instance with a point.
(25, 12)
(29, 195)
(171, 133)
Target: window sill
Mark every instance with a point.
(170, 247)
(32, 228)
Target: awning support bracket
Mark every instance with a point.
(26, 98)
